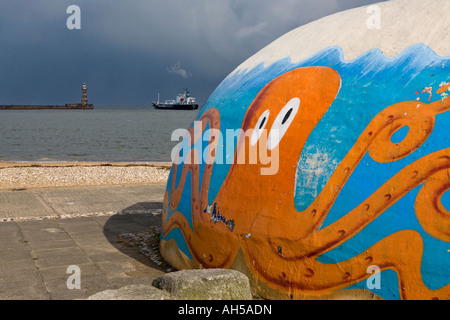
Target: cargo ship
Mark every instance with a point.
(183, 101)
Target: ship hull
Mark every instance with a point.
(175, 106)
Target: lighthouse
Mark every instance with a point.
(84, 100)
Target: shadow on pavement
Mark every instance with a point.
(138, 226)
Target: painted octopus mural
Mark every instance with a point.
(362, 178)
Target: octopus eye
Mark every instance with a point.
(282, 122)
(259, 127)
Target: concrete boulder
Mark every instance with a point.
(205, 284)
(340, 165)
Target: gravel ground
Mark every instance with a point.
(13, 177)
(148, 244)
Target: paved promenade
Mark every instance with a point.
(44, 231)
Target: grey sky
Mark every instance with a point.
(128, 51)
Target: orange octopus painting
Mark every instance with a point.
(253, 221)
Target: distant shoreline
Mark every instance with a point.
(9, 164)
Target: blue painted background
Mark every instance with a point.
(370, 83)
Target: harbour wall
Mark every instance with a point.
(47, 107)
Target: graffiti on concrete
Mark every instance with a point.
(362, 179)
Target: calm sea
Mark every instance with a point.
(115, 134)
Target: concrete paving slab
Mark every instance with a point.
(11, 268)
(24, 204)
(116, 269)
(78, 201)
(28, 275)
(80, 229)
(33, 245)
(44, 235)
(58, 290)
(87, 240)
(56, 252)
(38, 246)
(61, 260)
(105, 199)
(60, 272)
(10, 237)
(24, 290)
(15, 252)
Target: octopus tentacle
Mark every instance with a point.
(401, 251)
(420, 118)
(203, 241)
(377, 136)
(403, 182)
(432, 215)
(212, 118)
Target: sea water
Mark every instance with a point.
(111, 134)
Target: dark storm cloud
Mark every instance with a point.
(128, 51)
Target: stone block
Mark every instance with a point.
(206, 284)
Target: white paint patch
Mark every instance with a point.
(311, 172)
(53, 230)
(404, 24)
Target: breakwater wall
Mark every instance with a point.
(47, 107)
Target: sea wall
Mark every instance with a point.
(44, 107)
